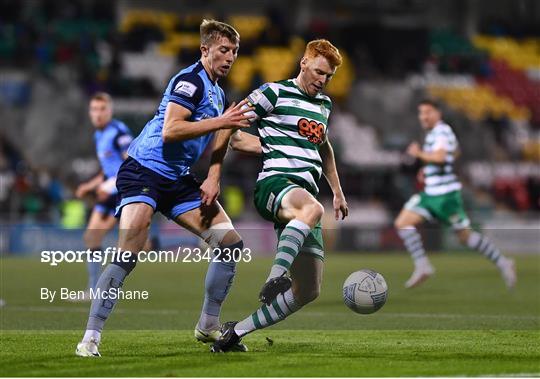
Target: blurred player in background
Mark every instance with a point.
(112, 138)
(292, 122)
(156, 177)
(441, 200)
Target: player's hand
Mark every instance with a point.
(340, 205)
(210, 190)
(81, 191)
(101, 194)
(420, 177)
(237, 116)
(414, 149)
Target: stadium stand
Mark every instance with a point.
(489, 86)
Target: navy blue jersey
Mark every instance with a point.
(111, 143)
(192, 89)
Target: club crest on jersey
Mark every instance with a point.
(185, 88)
(312, 130)
(324, 111)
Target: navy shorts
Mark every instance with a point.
(108, 206)
(138, 184)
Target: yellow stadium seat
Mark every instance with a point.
(242, 73)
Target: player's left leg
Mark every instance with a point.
(306, 273)
(212, 224)
(101, 222)
(477, 241)
(414, 213)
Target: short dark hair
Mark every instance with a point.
(102, 96)
(434, 103)
(211, 30)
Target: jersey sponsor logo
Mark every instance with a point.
(185, 88)
(312, 130)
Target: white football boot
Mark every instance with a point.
(88, 349)
(211, 336)
(206, 336)
(421, 273)
(508, 271)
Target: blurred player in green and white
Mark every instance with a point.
(292, 118)
(441, 200)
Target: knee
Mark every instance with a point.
(399, 223)
(306, 296)
(221, 235)
(463, 236)
(231, 238)
(313, 212)
(93, 237)
(135, 226)
(88, 240)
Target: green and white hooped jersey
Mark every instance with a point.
(441, 179)
(292, 126)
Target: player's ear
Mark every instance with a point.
(303, 63)
(204, 50)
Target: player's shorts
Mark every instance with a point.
(447, 208)
(138, 184)
(268, 195)
(108, 206)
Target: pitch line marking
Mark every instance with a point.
(316, 314)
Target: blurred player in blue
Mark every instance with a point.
(112, 138)
(156, 177)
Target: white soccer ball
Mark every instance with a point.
(365, 291)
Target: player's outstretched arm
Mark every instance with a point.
(438, 156)
(245, 143)
(90, 185)
(177, 126)
(332, 177)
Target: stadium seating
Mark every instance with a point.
(513, 64)
(268, 62)
(479, 102)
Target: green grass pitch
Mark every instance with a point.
(463, 321)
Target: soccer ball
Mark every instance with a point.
(365, 291)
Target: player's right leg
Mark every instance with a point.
(296, 212)
(133, 234)
(139, 191)
(406, 224)
(214, 226)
